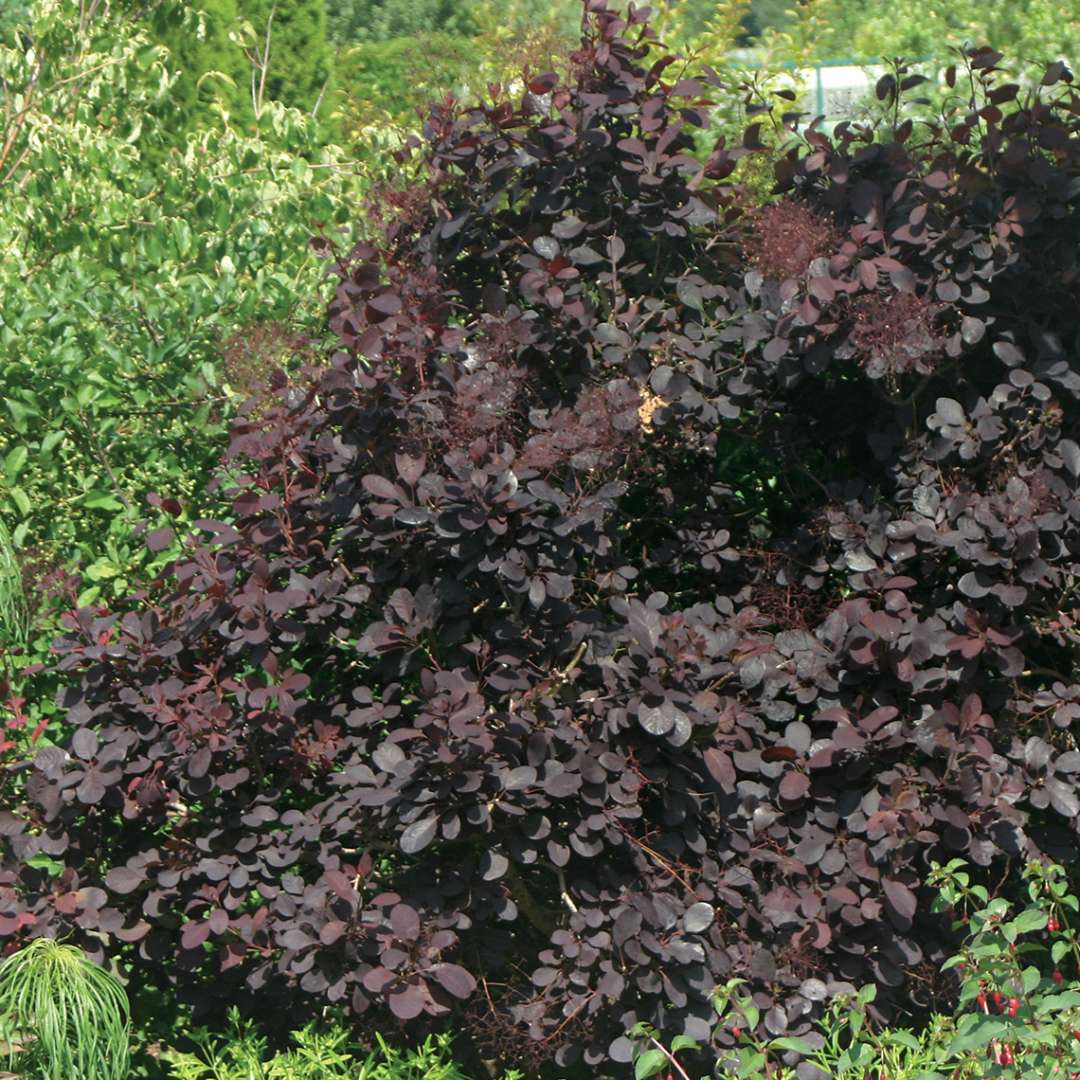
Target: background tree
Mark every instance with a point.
(13, 13)
(300, 61)
(197, 37)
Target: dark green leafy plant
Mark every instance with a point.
(64, 1017)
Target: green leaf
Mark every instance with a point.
(41, 861)
(20, 499)
(978, 1035)
(88, 596)
(102, 500)
(1027, 921)
(51, 440)
(682, 1042)
(101, 570)
(1068, 999)
(649, 1064)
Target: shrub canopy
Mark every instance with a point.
(643, 595)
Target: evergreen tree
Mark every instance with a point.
(14, 13)
(197, 37)
(379, 20)
(299, 65)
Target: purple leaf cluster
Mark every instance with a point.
(630, 604)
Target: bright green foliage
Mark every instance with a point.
(299, 56)
(1035, 31)
(129, 258)
(69, 1016)
(14, 610)
(120, 280)
(386, 82)
(317, 1054)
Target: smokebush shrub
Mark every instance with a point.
(630, 606)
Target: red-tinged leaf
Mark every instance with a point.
(408, 1003)
(968, 647)
(901, 899)
(794, 786)
(720, 768)
(194, 934)
(332, 932)
(543, 84)
(123, 879)
(382, 488)
(879, 718)
(159, 539)
(1053, 73)
(387, 303)
(752, 138)
(453, 979)
(378, 979)
(341, 886)
(405, 923)
(778, 753)
(410, 468)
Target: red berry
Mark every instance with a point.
(1053, 925)
(998, 999)
(1014, 1008)
(981, 1001)
(736, 1031)
(1005, 1057)
(1058, 977)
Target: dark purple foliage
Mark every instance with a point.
(612, 618)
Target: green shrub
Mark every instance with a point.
(63, 1017)
(317, 1054)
